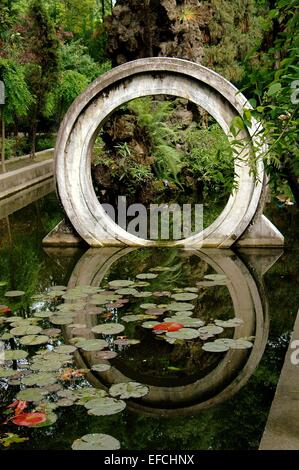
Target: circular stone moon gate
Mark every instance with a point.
(240, 222)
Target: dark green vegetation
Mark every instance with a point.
(50, 51)
(235, 424)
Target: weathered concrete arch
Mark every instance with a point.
(241, 220)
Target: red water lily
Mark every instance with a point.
(29, 419)
(19, 406)
(168, 326)
(4, 309)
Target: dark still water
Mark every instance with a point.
(206, 380)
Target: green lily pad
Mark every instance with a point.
(92, 344)
(215, 277)
(143, 294)
(14, 354)
(182, 314)
(186, 321)
(127, 291)
(96, 442)
(183, 333)
(128, 390)
(46, 314)
(108, 328)
(34, 340)
(118, 283)
(231, 323)
(148, 306)
(144, 276)
(3, 283)
(191, 289)
(241, 344)
(61, 320)
(226, 341)
(180, 306)
(6, 336)
(40, 379)
(104, 406)
(5, 372)
(211, 330)
(161, 268)
(65, 349)
(57, 288)
(215, 347)
(30, 394)
(14, 293)
(150, 324)
(130, 318)
(46, 366)
(26, 330)
(64, 402)
(184, 296)
(101, 367)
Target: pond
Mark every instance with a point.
(196, 334)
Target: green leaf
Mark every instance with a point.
(273, 89)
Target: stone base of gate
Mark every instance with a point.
(260, 233)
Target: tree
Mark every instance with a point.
(273, 81)
(42, 51)
(215, 33)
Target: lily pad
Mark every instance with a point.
(106, 355)
(143, 294)
(108, 328)
(101, 367)
(40, 379)
(14, 293)
(96, 442)
(147, 306)
(26, 330)
(187, 322)
(213, 346)
(184, 296)
(34, 340)
(128, 390)
(61, 320)
(180, 306)
(65, 349)
(14, 354)
(184, 334)
(150, 324)
(46, 314)
(5, 372)
(30, 394)
(46, 366)
(127, 291)
(215, 277)
(231, 323)
(132, 318)
(92, 344)
(118, 283)
(144, 276)
(182, 314)
(104, 406)
(211, 329)
(241, 344)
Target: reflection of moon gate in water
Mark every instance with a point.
(241, 221)
(229, 375)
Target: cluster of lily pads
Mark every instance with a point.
(42, 374)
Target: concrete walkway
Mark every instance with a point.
(23, 173)
(21, 162)
(282, 428)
